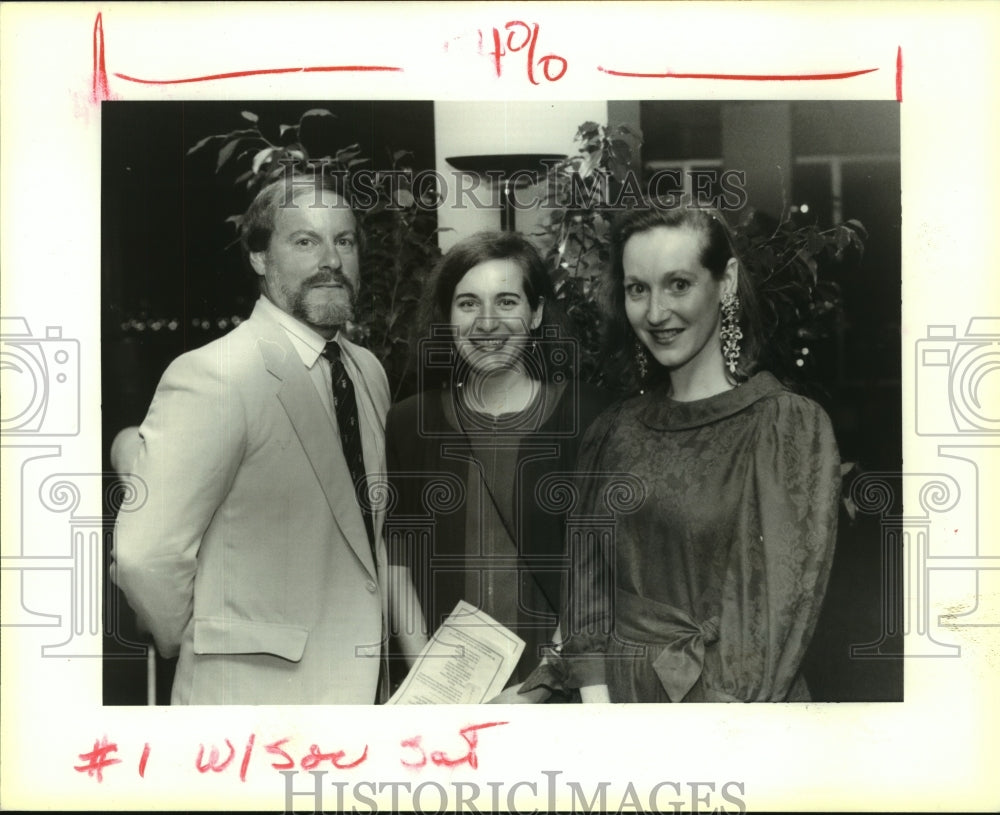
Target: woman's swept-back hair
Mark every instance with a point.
(622, 346)
(550, 356)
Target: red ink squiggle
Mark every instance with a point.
(143, 760)
(274, 748)
(236, 74)
(530, 42)
(899, 73)
(96, 760)
(414, 744)
(246, 757)
(739, 77)
(99, 89)
(317, 756)
(472, 739)
(213, 762)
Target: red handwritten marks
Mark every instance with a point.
(98, 759)
(899, 73)
(210, 758)
(316, 757)
(440, 758)
(313, 758)
(414, 744)
(217, 766)
(259, 72)
(246, 757)
(99, 89)
(514, 37)
(553, 66)
(274, 748)
(143, 760)
(739, 77)
(471, 736)
(213, 763)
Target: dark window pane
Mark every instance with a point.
(844, 128)
(680, 130)
(812, 193)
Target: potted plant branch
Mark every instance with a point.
(794, 264)
(400, 230)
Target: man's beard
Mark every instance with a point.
(326, 314)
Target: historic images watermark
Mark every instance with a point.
(43, 374)
(524, 190)
(43, 401)
(415, 539)
(522, 796)
(955, 394)
(57, 552)
(957, 398)
(953, 375)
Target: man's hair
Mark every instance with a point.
(259, 220)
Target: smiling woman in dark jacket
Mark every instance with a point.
(499, 416)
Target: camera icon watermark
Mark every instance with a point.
(65, 575)
(957, 394)
(958, 380)
(41, 381)
(415, 539)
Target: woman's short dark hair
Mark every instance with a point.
(622, 346)
(435, 309)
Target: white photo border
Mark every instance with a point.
(933, 751)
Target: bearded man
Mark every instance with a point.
(257, 557)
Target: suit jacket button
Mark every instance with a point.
(370, 585)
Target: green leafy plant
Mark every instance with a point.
(794, 264)
(400, 230)
(793, 267)
(583, 195)
(401, 251)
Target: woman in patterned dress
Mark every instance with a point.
(711, 585)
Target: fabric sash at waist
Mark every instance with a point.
(679, 639)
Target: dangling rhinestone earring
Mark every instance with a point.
(731, 333)
(640, 360)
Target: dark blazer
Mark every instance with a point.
(430, 457)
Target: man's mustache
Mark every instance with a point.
(325, 280)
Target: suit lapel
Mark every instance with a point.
(298, 397)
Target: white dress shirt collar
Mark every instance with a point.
(307, 343)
